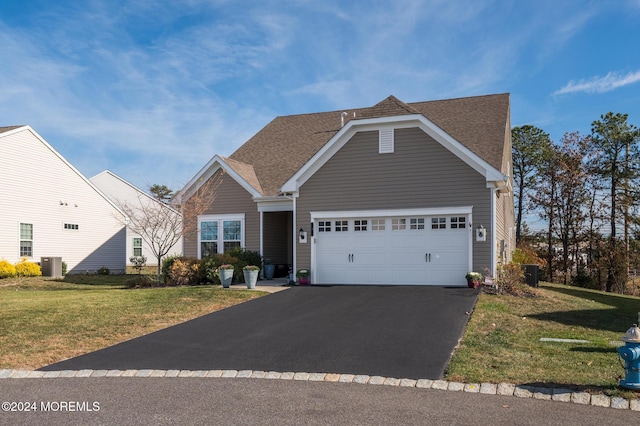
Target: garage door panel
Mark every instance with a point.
(391, 252)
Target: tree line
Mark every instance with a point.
(583, 193)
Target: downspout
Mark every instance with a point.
(494, 260)
(295, 239)
(262, 236)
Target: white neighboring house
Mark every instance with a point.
(49, 209)
(124, 193)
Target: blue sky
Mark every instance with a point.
(151, 90)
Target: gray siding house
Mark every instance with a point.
(394, 194)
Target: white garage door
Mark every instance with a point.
(401, 250)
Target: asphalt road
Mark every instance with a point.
(402, 332)
(207, 401)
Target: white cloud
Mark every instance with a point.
(609, 82)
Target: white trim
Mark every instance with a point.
(274, 204)
(295, 238)
(261, 234)
(386, 140)
(490, 173)
(494, 260)
(220, 218)
(430, 211)
(427, 211)
(215, 164)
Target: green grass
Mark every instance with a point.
(502, 340)
(45, 321)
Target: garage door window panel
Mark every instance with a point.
(360, 225)
(416, 223)
(342, 225)
(324, 226)
(439, 223)
(458, 222)
(378, 224)
(398, 224)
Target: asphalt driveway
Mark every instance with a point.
(390, 331)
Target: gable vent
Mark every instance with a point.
(385, 143)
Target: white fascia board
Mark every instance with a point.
(489, 172)
(427, 211)
(280, 203)
(208, 171)
(135, 188)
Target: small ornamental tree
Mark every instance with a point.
(138, 262)
(160, 225)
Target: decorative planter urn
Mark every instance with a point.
(226, 275)
(269, 270)
(251, 277)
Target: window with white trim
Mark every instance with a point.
(416, 223)
(219, 234)
(26, 240)
(398, 224)
(438, 223)
(378, 224)
(360, 225)
(232, 234)
(324, 226)
(342, 225)
(137, 246)
(458, 222)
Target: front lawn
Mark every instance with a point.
(45, 320)
(502, 341)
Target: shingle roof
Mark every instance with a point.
(8, 128)
(281, 148)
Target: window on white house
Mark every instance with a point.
(137, 246)
(26, 240)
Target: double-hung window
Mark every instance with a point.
(26, 240)
(137, 246)
(219, 233)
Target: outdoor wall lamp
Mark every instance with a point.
(481, 233)
(302, 236)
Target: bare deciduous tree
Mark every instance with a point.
(161, 226)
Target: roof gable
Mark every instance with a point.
(279, 151)
(389, 107)
(8, 131)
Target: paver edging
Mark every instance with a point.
(503, 389)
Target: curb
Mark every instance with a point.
(503, 389)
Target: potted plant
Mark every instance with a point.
(303, 276)
(225, 271)
(269, 269)
(251, 275)
(474, 279)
